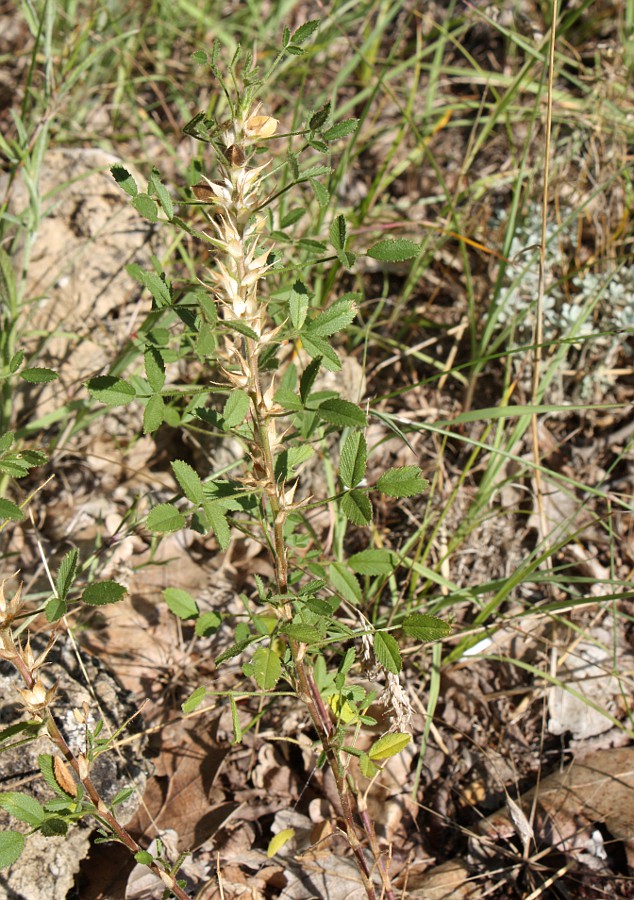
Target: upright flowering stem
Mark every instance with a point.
(235, 275)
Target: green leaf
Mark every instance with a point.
(265, 668)
(23, 807)
(318, 347)
(305, 634)
(144, 858)
(356, 507)
(46, 763)
(389, 745)
(188, 479)
(124, 180)
(11, 847)
(241, 328)
(154, 368)
(354, 457)
(337, 317)
(207, 305)
(386, 651)
(319, 118)
(53, 826)
(146, 207)
(194, 700)
(236, 409)
(16, 361)
(162, 194)
(110, 390)
(235, 720)
(321, 193)
(9, 510)
(345, 582)
(373, 562)
(307, 380)
(153, 283)
(368, 769)
(305, 31)
(342, 413)
(102, 593)
(405, 481)
(153, 414)
(291, 217)
(181, 603)
(55, 609)
(66, 574)
(38, 376)
(298, 304)
(340, 129)
(6, 441)
(425, 628)
(207, 623)
(165, 518)
(394, 250)
(288, 399)
(216, 513)
(338, 233)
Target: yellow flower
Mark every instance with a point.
(259, 127)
